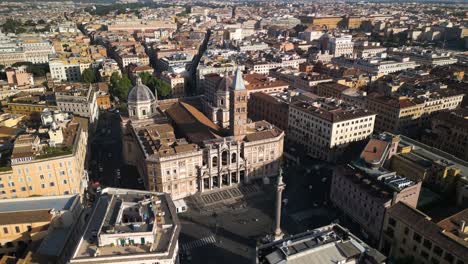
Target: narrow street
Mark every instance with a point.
(106, 164)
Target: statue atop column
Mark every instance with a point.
(280, 185)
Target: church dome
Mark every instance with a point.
(140, 93)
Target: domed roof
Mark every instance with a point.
(225, 83)
(140, 93)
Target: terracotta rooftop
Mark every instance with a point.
(192, 123)
(394, 102)
(374, 150)
(256, 81)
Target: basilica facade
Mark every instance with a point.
(185, 146)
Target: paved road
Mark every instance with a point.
(106, 153)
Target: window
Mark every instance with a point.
(417, 237)
(424, 254)
(448, 257)
(52, 184)
(214, 161)
(437, 250)
(43, 186)
(233, 158)
(5, 230)
(427, 244)
(41, 177)
(17, 229)
(224, 157)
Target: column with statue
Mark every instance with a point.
(280, 185)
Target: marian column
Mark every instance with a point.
(279, 190)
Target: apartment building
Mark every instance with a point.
(425, 56)
(364, 191)
(325, 126)
(331, 243)
(449, 132)
(140, 25)
(68, 69)
(79, 99)
(341, 46)
(176, 63)
(25, 49)
(130, 226)
(410, 234)
(443, 172)
(107, 68)
(128, 52)
(376, 65)
(406, 115)
(47, 169)
(176, 82)
(38, 221)
(264, 67)
(365, 49)
(269, 107)
(19, 76)
(30, 104)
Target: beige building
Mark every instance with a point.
(68, 69)
(405, 115)
(19, 76)
(179, 150)
(176, 82)
(39, 169)
(131, 227)
(441, 171)
(449, 132)
(325, 127)
(29, 221)
(412, 235)
(364, 190)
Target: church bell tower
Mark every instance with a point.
(238, 107)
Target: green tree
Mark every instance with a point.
(88, 76)
(145, 77)
(164, 89)
(35, 69)
(120, 86)
(11, 25)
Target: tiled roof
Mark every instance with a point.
(192, 123)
